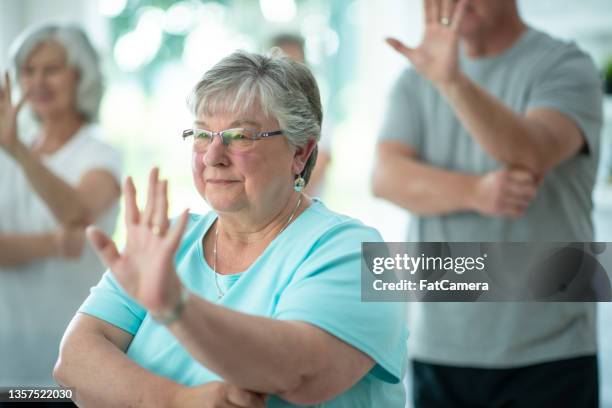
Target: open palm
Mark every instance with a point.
(145, 268)
(437, 57)
(8, 116)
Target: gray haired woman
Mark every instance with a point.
(256, 302)
(54, 182)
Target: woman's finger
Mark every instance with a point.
(458, 14)
(432, 11)
(243, 398)
(150, 205)
(160, 218)
(401, 48)
(103, 245)
(7, 87)
(132, 214)
(176, 232)
(428, 10)
(21, 102)
(447, 9)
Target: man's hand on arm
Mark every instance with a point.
(403, 179)
(505, 193)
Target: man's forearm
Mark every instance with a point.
(61, 198)
(19, 249)
(501, 132)
(101, 375)
(421, 188)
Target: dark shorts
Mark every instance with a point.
(564, 383)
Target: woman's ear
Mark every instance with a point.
(301, 156)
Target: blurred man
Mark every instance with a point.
(493, 135)
(293, 46)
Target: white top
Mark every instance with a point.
(37, 300)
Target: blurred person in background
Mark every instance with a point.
(53, 184)
(260, 296)
(293, 46)
(493, 135)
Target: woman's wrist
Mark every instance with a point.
(19, 151)
(168, 316)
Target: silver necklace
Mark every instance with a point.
(220, 292)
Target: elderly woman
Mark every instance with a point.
(54, 182)
(260, 297)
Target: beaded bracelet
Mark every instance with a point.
(170, 316)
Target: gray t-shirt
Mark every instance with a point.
(536, 72)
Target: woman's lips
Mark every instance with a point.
(40, 97)
(220, 181)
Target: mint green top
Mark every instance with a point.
(310, 273)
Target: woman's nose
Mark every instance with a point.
(216, 153)
(37, 79)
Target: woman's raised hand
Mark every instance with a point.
(145, 268)
(8, 117)
(437, 57)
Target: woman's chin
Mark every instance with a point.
(224, 204)
(46, 112)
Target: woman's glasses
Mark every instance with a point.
(234, 140)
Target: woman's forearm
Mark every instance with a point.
(101, 375)
(62, 199)
(256, 353)
(19, 249)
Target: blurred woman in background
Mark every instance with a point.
(53, 184)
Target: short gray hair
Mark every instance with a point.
(80, 54)
(284, 89)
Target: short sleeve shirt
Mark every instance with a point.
(536, 72)
(309, 273)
